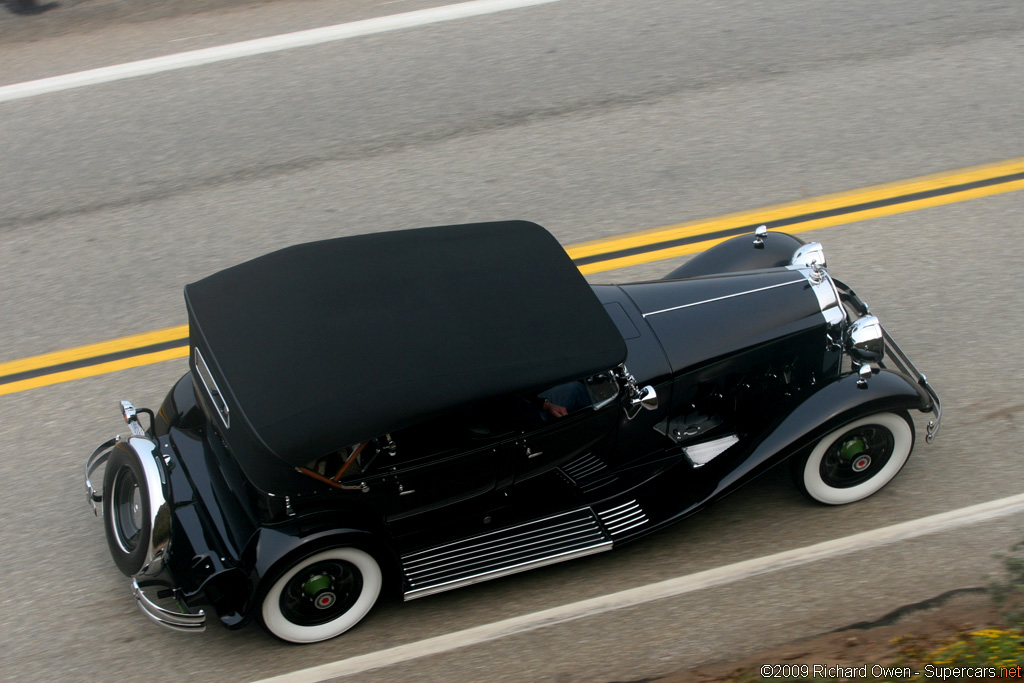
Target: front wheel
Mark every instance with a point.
(856, 460)
(322, 596)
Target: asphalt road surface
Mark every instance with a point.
(592, 117)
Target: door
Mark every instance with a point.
(438, 467)
(588, 426)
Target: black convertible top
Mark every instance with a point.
(326, 344)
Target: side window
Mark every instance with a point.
(433, 439)
(603, 389)
(469, 429)
(594, 392)
(346, 464)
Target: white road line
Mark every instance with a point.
(248, 48)
(656, 591)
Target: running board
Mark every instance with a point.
(502, 552)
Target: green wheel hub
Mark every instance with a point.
(315, 584)
(852, 448)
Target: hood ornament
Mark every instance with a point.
(759, 234)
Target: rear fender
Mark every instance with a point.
(237, 592)
(835, 404)
(278, 549)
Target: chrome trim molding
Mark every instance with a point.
(212, 390)
(825, 291)
(159, 509)
(727, 296)
(191, 622)
(701, 454)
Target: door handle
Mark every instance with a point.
(403, 492)
(533, 455)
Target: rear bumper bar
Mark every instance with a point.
(191, 622)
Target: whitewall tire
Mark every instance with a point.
(322, 595)
(856, 460)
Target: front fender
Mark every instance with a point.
(827, 409)
(740, 254)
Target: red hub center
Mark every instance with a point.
(325, 600)
(861, 463)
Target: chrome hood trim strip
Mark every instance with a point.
(826, 292)
(722, 298)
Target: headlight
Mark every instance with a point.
(808, 255)
(864, 340)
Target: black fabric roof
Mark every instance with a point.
(330, 343)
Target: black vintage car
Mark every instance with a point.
(421, 410)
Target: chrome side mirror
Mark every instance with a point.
(638, 398)
(647, 398)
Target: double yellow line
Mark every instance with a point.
(94, 359)
(801, 216)
(592, 257)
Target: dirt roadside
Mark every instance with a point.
(928, 624)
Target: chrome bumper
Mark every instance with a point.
(903, 364)
(192, 622)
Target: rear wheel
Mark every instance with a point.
(322, 595)
(856, 460)
(126, 508)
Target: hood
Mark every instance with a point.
(700, 320)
